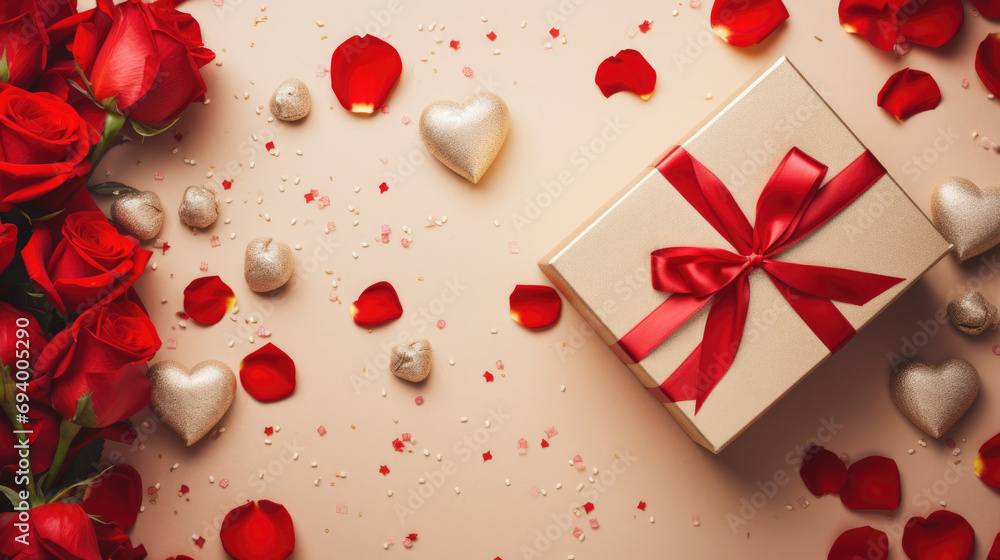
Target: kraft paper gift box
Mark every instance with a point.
(716, 268)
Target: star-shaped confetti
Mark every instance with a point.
(384, 470)
(487, 456)
(455, 44)
(644, 26)
(488, 376)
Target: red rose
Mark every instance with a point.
(24, 42)
(115, 544)
(91, 265)
(142, 59)
(8, 244)
(56, 531)
(115, 497)
(98, 364)
(45, 143)
(33, 340)
(56, 80)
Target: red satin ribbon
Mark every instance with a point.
(792, 205)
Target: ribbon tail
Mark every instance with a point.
(657, 326)
(837, 284)
(819, 314)
(682, 383)
(723, 334)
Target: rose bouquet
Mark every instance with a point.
(74, 336)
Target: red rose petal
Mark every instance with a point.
(995, 551)
(909, 92)
(862, 542)
(988, 62)
(743, 23)
(942, 534)
(363, 71)
(534, 306)
(884, 23)
(258, 531)
(987, 463)
(268, 374)
(872, 484)
(988, 8)
(376, 305)
(626, 71)
(115, 497)
(207, 299)
(823, 472)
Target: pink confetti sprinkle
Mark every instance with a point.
(334, 296)
(214, 240)
(803, 502)
(522, 443)
(695, 3)
(227, 185)
(204, 266)
(696, 521)
(385, 109)
(172, 344)
(321, 430)
(407, 543)
(330, 226)
(419, 401)
(407, 437)
(390, 541)
(386, 230)
(342, 508)
(500, 365)
(845, 458)
(263, 333)
(406, 120)
(996, 350)
(551, 431)
(534, 491)
(224, 483)
(965, 83)
(513, 248)
(441, 324)
(320, 71)
(901, 48)
(593, 523)
(151, 490)
(578, 463)
(467, 72)
(404, 242)
(577, 532)
(323, 201)
(158, 175)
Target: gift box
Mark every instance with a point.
(743, 257)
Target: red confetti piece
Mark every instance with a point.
(987, 462)
(522, 443)
(199, 542)
(488, 377)
(224, 483)
(311, 195)
(207, 299)
(545, 443)
(377, 304)
(862, 542)
(492, 36)
(950, 443)
(534, 491)
(269, 146)
(384, 470)
(823, 472)
(342, 508)
(407, 437)
(642, 506)
(165, 246)
(397, 445)
(268, 374)
(500, 365)
(321, 430)
(258, 530)
(382, 188)
(412, 536)
(644, 26)
(965, 83)
(363, 71)
(419, 401)
(404, 242)
(942, 534)
(330, 226)
(588, 507)
(551, 431)
(743, 23)
(626, 71)
(467, 72)
(385, 109)
(593, 523)
(441, 324)
(988, 62)
(323, 201)
(268, 431)
(178, 135)
(872, 484)
(909, 92)
(227, 185)
(455, 44)
(407, 543)
(487, 456)
(534, 306)
(151, 490)
(577, 532)
(554, 32)
(157, 175)
(184, 489)
(930, 23)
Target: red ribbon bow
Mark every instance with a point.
(790, 207)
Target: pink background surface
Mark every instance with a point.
(462, 272)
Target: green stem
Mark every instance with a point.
(113, 123)
(67, 431)
(9, 388)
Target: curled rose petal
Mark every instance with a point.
(376, 305)
(909, 92)
(988, 8)
(872, 484)
(626, 71)
(115, 497)
(363, 72)
(942, 534)
(862, 542)
(207, 299)
(987, 463)
(885, 23)
(534, 306)
(988, 62)
(823, 472)
(268, 374)
(995, 551)
(743, 23)
(258, 531)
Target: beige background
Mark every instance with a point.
(557, 112)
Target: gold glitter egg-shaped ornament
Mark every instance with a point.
(934, 397)
(267, 265)
(191, 401)
(138, 213)
(291, 102)
(411, 360)
(466, 137)
(199, 207)
(967, 216)
(972, 313)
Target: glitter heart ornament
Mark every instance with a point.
(290, 101)
(972, 313)
(967, 216)
(411, 360)
(191, 401)
(199, 207)
(138, 213)
(267, 264)
(466, 137)
(935, 397)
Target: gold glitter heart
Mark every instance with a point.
(967, 216)
(138, 213)
(972, 313)
(466, 137)
(934, 397)
(191, 402)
